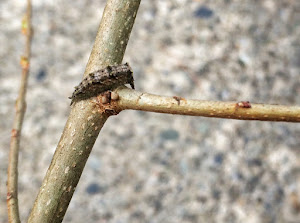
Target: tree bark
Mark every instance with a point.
(85, 120)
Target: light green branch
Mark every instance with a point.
(85, 120)
(131, 99)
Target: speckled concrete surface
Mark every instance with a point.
(148, 167)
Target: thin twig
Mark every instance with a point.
(131, 99)
(12, 178)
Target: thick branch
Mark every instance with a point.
(85, 120)
(131, 99)
(12, 171)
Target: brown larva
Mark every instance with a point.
(102, 80)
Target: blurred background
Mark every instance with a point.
(148, 167)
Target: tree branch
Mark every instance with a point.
(12, 170)
(85, 120)
(131, 99)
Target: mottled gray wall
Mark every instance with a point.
(148, 167)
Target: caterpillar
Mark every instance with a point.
(102, 80)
